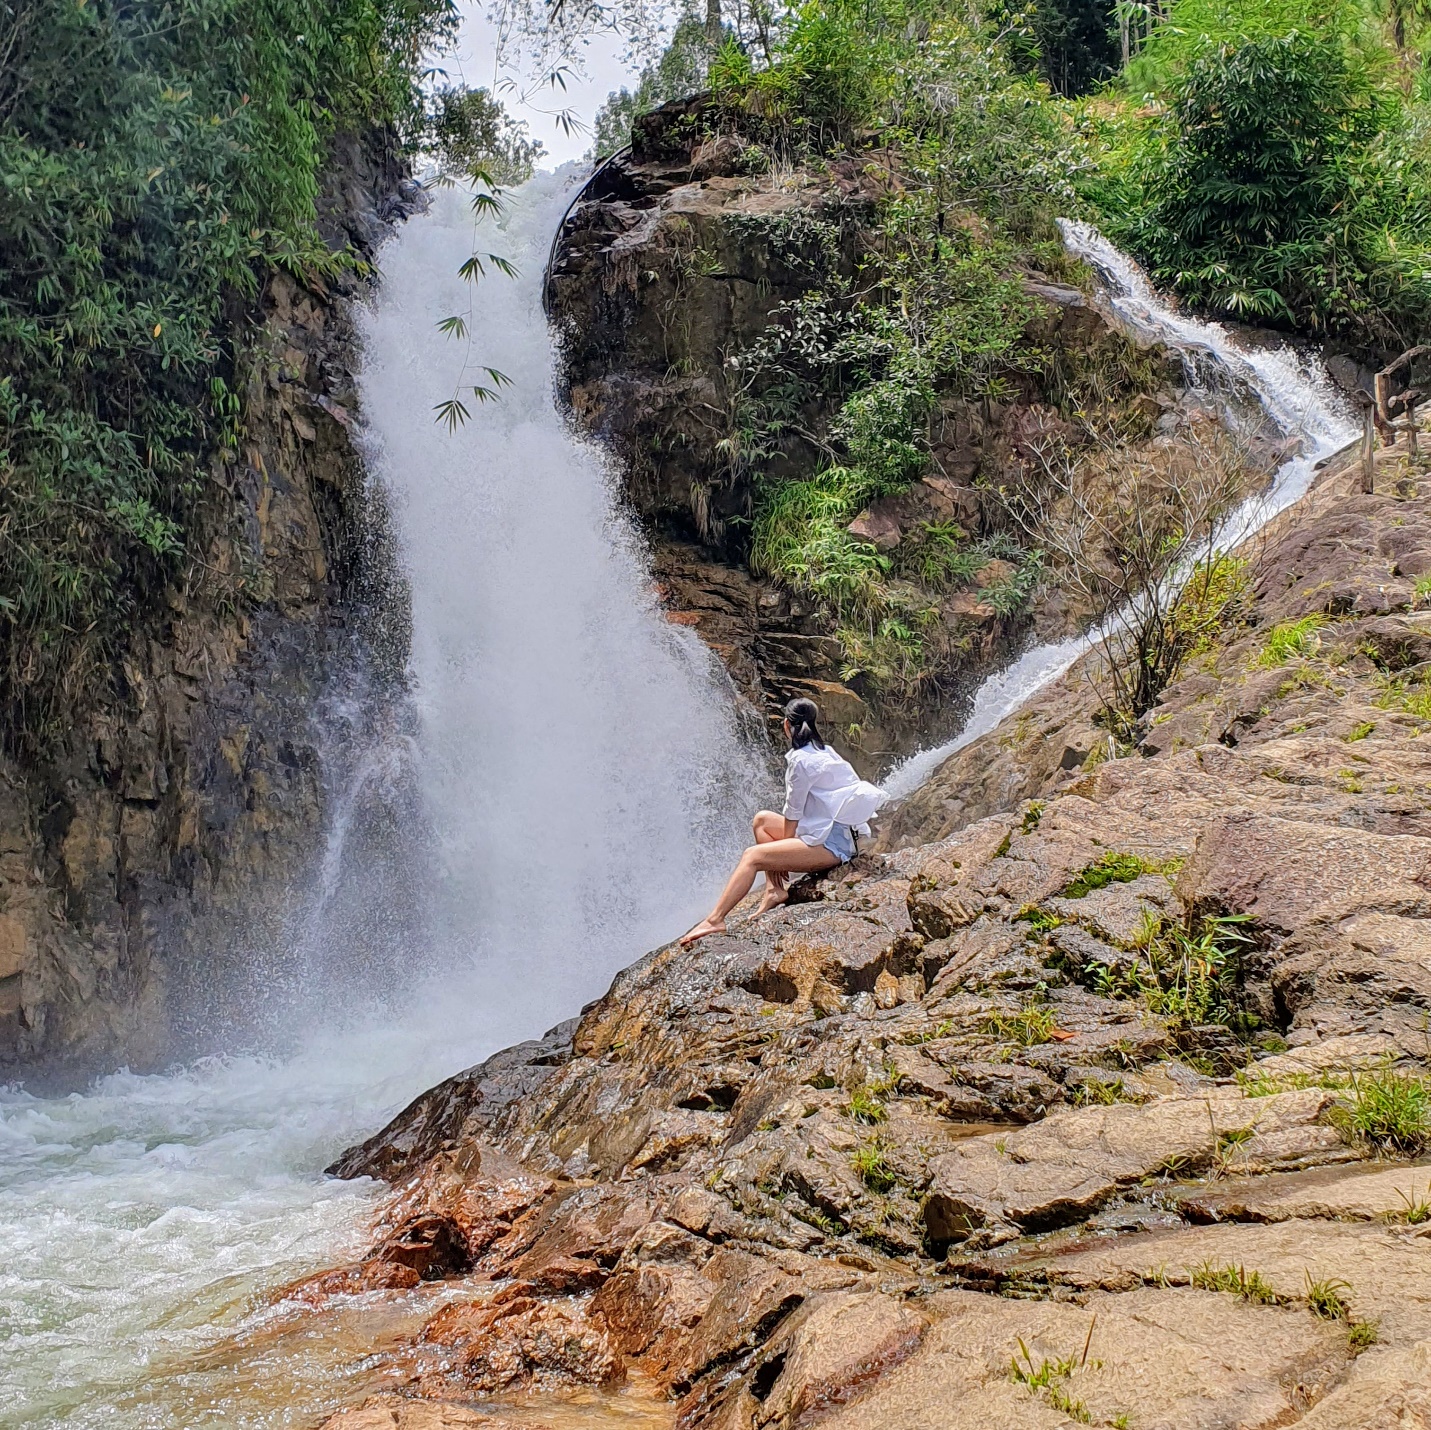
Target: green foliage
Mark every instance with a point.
(1327, 1300)
(1361, 1335)
(1271, 180)
(1291, 640)
(1031, 1025)
(1237, 1281)
(470, 134)
(865, 1106)
(1260, 1084)
(872, 1167)
(679, 70)
(1049, 1377)
(1110, 868)
(1390, 1109)
(156, 162)
(1189, 976)
(1101, 1092)
(1416, 1210)
(1074, 44)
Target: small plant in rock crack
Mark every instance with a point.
(1291, 640)
(1048, 1378)
(1196, 971)
(1237, 1281)
(1227, 1144)
(1361, 1335)
(1415, 1210)
(1101, 1092)
(1110, 868)
(1389, 1109)
(866, 1106)
(1326, 1299)
(872, 1167)
(1029, 1026)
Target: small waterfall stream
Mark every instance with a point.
(1292, 388)
(584, 786)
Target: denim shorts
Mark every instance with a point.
(840, 841)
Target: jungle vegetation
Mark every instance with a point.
(1270, 161)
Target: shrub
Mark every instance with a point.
(1260, 185)
(156, 161)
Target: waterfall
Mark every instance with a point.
(580, 763)
(578, 789)
(582, 788)
(1292, 388)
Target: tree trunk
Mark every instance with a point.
(715, 31)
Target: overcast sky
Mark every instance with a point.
(473, 64)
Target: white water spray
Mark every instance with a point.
(581, 765)
(584, 789)
(1293, 389)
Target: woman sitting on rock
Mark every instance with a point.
(826, 805)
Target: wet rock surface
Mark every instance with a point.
(951, 1142)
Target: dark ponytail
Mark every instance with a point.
(802, 715)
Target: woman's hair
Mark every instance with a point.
(802, 715)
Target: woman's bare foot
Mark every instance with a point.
(774, 897)
(702, 930)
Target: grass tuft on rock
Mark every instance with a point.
(1029, 1026)
(1291, 640)
(1251, 1286)
(1389, 1109)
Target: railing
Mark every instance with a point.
(577, 197)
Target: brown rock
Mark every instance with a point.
(1184, 1360)
(1065, 1167)
(488, 1347)
(355, 1280)
(1388, 1269)
(1339, 1194)
(833, 1348)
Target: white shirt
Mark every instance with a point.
(822, 789)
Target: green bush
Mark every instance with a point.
(155, 161)
(1264, 182)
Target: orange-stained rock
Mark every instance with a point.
(371, 1275)
(394, 1412)
(501, 1346)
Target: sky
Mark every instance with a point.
(473, 64)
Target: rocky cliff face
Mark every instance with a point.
(675, 264)
(1100, 1108)
(153, 860)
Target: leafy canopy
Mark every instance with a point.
(156, 160)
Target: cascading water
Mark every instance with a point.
(581, 765)
(1292, 389)
(583, 786)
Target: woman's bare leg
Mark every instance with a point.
(767, 826)
(781, 856)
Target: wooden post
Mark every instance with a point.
(1411, 423)
(1368, 446)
